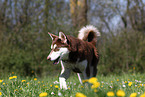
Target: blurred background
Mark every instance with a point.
(25, 44)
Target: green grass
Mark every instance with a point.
(32, 88)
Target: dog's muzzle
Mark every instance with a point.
(55, 61)
(48, 58)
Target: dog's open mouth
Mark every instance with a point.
(56, 61)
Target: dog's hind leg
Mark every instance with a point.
(65, 73)
(95, 62)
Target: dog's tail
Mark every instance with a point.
(89, 33)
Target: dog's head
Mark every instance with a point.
(59, 47)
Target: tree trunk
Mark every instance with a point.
(46, 15)
(74, 12)
(78, 10)
(82, 14)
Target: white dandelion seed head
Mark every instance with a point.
(55, 82)
(139, 81)
(111, 86)
(124, 86)
(59, 94)
(52, 93)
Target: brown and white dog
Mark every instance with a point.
(75, 54)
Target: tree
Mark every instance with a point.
(78, 10)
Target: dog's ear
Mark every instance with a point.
(62, 36)
(52, 36)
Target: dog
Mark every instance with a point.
(79, 55)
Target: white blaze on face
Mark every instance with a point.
(60, 53)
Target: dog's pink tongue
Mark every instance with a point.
(55, 62)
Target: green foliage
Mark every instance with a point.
(122, 52)
(33, 87)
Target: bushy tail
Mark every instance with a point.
(89, 33)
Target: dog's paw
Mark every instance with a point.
(62, 83)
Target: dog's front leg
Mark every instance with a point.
(65, 73)
(80, 77)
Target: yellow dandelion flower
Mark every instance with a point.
(28, 83)
(141, 84)
(0, 93)
(133, 95)
(120, 93)
(56, 86)
(12, 72)
(38, 82)
(14, 76)
(110, 94)
(92, 80)
(10, 77)
(1, 81)
(80, 95)
(82, 86)
(4, 83)
(35, 79)
(95, 85)
(32, 71)
(50, 85)
(130, 83)
(43, 94)
(84, 81)
(69, 88)
(95, 90)
(125, 82)
(117, 79)
(23, 81)
(111, 81)
(15, 90)
(143, 95)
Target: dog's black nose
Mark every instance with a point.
(48, 58)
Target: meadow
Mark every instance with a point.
(126, 85)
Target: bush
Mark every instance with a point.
(122, 52)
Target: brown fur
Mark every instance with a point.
(83, 50)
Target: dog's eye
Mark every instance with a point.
(56, 49)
